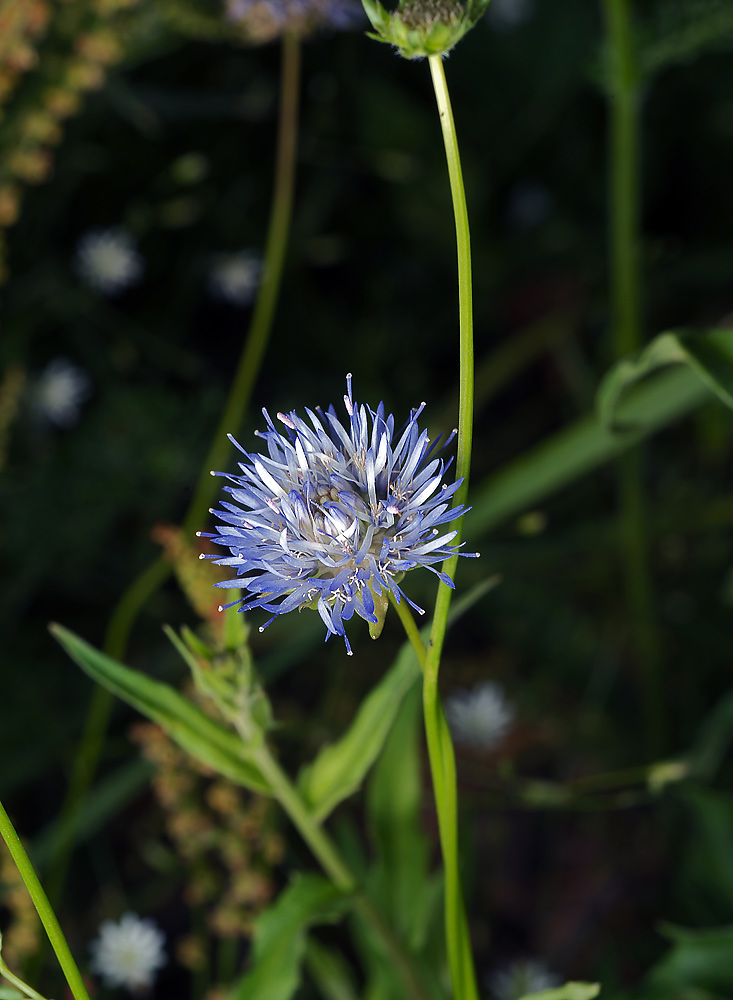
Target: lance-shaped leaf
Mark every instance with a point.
(280, 937)
(709, 355)
(194, 731)
(340, 768)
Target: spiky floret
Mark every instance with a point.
(334, 514)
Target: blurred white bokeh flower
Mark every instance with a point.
(506, 15)
(235, 277)
(108, 260)
(521, 978)
(128, 952)
(59, 391)
(481, 717)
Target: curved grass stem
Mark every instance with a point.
(440, 746)
(45, 910)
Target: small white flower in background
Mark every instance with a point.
(506, 15)
(520, 979)
(481, 717)
(235, 277)
(108, 260)
(128, 953)
(528, 205)
(59, 391)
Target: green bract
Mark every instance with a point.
(420, 28)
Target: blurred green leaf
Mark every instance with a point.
(280, 940)
(193, 730)
(697, 959)
(340, 768)
(570, 991)
(713, 740)
(707, 865)
(401, 876)
(709, 355)
(330, 971)
(682, 30)
(580, 448)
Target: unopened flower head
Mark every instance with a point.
(263, 20)
(420, 28)
(520, 979)
(128, 952)
(479, 718)
(234, 277)
(108, 261)
(334, 514)
(59, 391)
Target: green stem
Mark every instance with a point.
(440, 746)
(145, 585)
(327, 854)
(627, 338)
(18, 983)
(42, 905)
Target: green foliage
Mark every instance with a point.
(194, 731)
(697, 965)
(570, 991)
(565, 457)
(679, 31)
(280, 937)
(709, 355)
(339, 769)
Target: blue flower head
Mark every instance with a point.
(334, 514)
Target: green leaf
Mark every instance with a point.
(570, 991)
(579, 449)
(330, 971)
(8, 993)
(194, 731)
(714, 739)
(401, 877)
(340, 768)
(280, 939)
(697, 959)
(709, 355)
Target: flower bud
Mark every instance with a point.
(420, 28)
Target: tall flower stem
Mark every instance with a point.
(44, 908)
(327, 854)
(145, 585)
(627, 338)
(440, 746)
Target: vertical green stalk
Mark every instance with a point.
(440, 746)
(625, 198)
(42, 905)
(250, 362)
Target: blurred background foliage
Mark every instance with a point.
(159, 119)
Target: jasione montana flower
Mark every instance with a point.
(334, 514)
